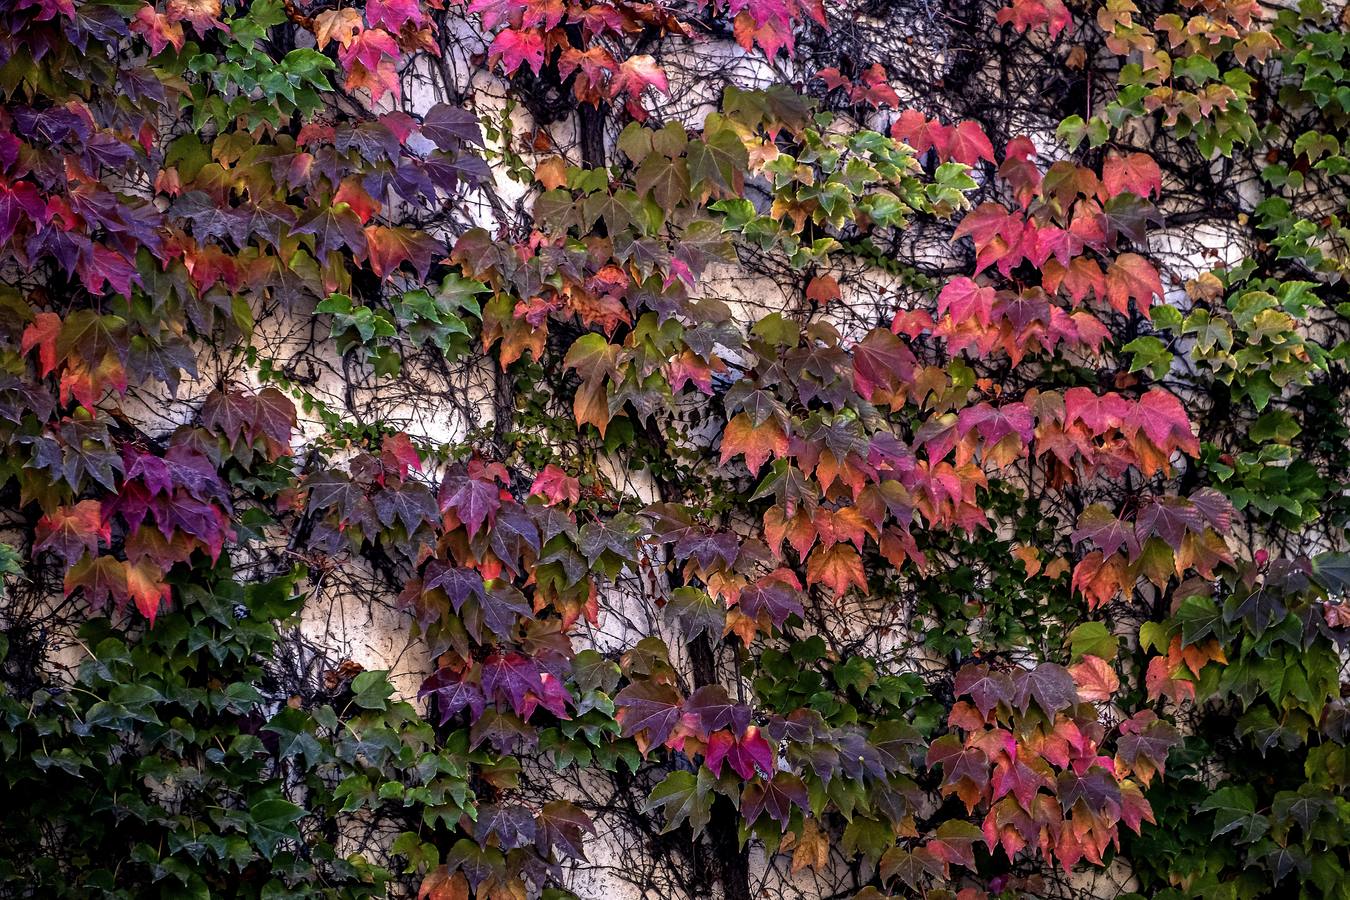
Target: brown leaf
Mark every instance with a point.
(551, 172)
(442, 884)
(812, 849)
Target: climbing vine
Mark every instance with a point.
(804, 469)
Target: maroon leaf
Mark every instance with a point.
(707, 547)
(458, 584)
(410, 503)
(648, 707)
(715, 710)
(1097, 790)
(448, 127)
(987, 689)
(474, 501)
(510, 825)
(776, 798)
(696, 613)
(501, 605)
(1049, 684)
(561, 828)
(452, 693)
(1107, 532)
(1169, 518)
(266, 414)
(1145, 736)
(1215, 507)
(519, 681)
(772, 597)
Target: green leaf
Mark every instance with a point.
(681, 796)
(1198, 617)
(1092, 639)
(272, 821)
(1332, 571)
(855, 672)
(372, 689)
(1234, 809)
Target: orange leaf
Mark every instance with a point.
(146, 588)
(823, 289)
(836, 568)
(339, 25)
(1030, 558)
(756, 442)
(41, 333)
(591, 404)
(1095, 678)
(551, 172)
(1131, 276)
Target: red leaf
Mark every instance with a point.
(880, 360)
(743, 754)
(771, 32)
(921, 133)
(442, 884)
(1136, 173)
(513, 47)
(41, 333)
(147, 589)
(996, 423)
(1095, 678)
(969, 144)
(1024, 14)
(556, 486)
(156, 28)
(1097, 413)
(368, 48)
(1162, 418)
(390, 247)
(636, 74)
(99, 577)
(399, 455)
(393, 14)
(962, 299)
(354, 195)
(1022, 776)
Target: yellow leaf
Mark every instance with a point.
(339, 25)
(1030, 557)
